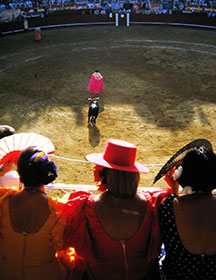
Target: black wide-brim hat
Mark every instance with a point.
(180, 154)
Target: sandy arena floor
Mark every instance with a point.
(159, 91)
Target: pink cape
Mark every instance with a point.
(95, 84)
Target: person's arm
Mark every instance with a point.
(5, 168)
(174, 185)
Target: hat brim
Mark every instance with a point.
(180, 154)
(98, 159)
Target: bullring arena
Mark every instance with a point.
(159, 90)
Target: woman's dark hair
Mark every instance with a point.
(6, 130)
(34, 168)
(199, 170)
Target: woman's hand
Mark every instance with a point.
(6, 168)
(174, 185)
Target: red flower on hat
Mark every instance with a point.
(98, 178)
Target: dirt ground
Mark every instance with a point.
(159, 91)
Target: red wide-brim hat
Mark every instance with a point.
(118, 155)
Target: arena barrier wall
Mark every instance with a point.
(70, 18)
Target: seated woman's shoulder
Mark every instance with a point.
(141, 196)
(79, 194)
(8, 190)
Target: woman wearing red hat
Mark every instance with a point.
(116, 232)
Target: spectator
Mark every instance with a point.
(188, 223)
(30, 225)
(116, 6)
(116, 232)
(6, 130)
(8, 178)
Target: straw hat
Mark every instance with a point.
(118, 155)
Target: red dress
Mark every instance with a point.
(107, 258)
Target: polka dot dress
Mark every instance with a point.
(179, 264)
